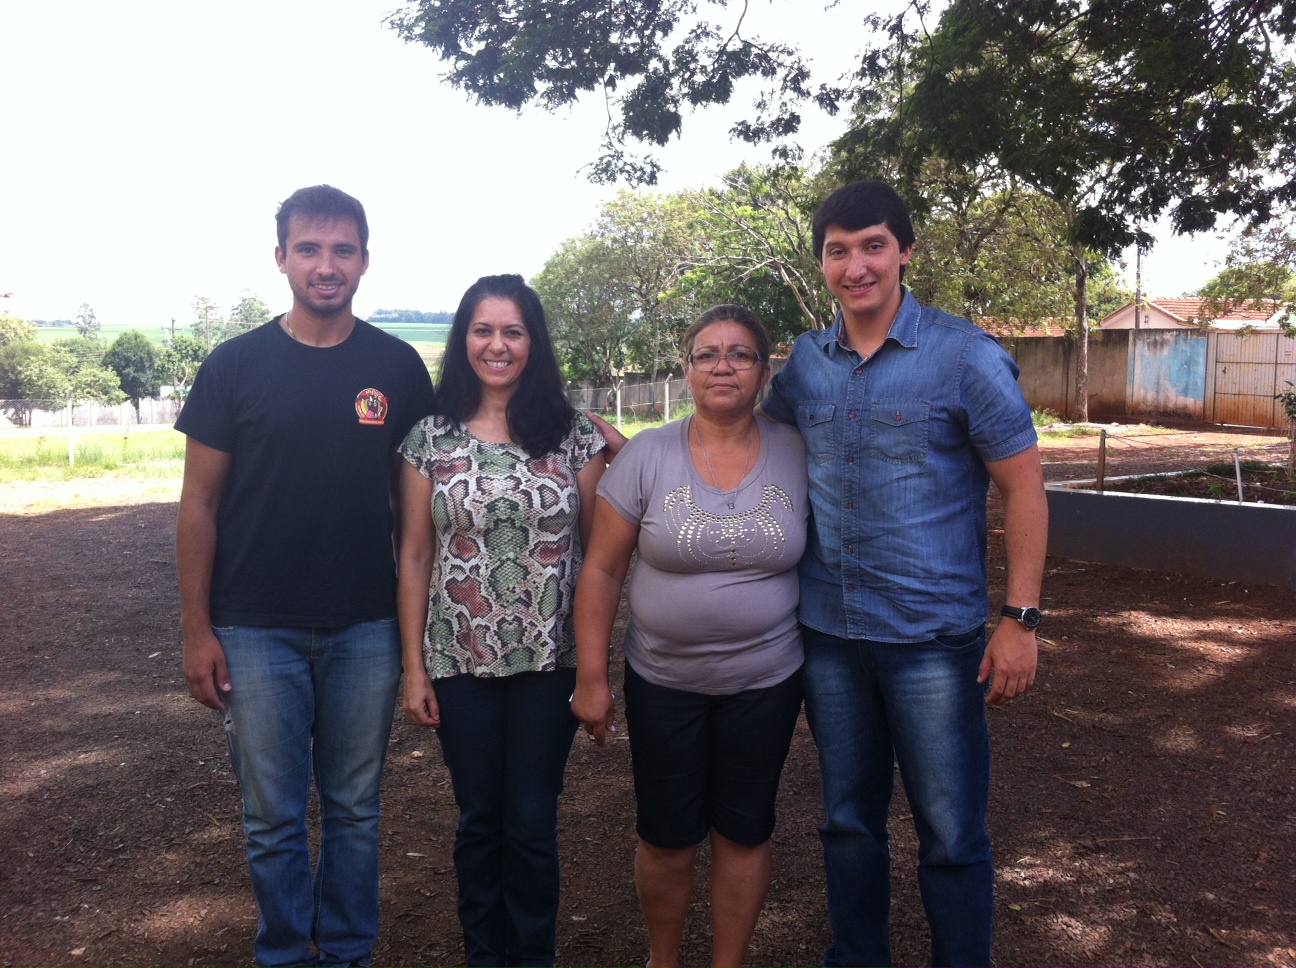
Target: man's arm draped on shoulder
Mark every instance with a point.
(205, 471)
(1012, 653)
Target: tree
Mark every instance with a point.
(1117, 110)
(134, 359)
(15, 330)
(589, 318)
(78, 371)
(87, 323)
(754, 237)
(179, 361)
(27, 380)
(650, 61)
(247, 314)
(1260, 269)
(648, 242)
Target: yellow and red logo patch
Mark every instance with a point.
(371, 406)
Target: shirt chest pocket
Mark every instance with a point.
(898, 430)
(815, 421)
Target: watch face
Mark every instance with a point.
(1031, 617)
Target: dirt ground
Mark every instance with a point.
(1144, 798)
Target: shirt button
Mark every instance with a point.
(852, 414)
(850, 549)
(850, 460)
(850, 588)
(850, 505)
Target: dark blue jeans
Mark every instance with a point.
(506, 741)
(312, 701)
(871, 705)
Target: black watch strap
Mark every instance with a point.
(1030, 616)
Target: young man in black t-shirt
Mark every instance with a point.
(287, 578)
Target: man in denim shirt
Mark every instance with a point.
(907, 414)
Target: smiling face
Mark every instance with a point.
(498, 344)
(725, 389)
(323, 261)
(862, 269)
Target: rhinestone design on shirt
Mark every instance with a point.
(739, 539)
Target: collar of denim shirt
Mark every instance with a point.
(904, 328)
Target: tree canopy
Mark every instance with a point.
(134, 359)
(651, 61)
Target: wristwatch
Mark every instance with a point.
(1030, 616)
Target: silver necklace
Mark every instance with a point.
(733, 495)
(289, 327)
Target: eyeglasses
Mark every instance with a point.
(708, 360)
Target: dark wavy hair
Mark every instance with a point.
(860, 205)
(539, 413)
(321, 202)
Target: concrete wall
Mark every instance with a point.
(1048, 372)
(1198, 376)
(1167, 375)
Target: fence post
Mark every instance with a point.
(667, 412)
(1102, 458)
(620, 394)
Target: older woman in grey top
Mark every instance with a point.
(715, 505)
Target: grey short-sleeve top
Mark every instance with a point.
(714, 591)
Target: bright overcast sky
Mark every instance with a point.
(144, 147)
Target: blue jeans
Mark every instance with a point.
(306, 700)
(874, 704)
(505, 741)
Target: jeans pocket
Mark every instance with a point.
(815, 421)
(898, 430)
(961, 641)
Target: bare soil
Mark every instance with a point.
(1260, 483)
(1144, 801)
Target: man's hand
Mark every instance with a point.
(1009, 662)
(615, 439)
(205, 671)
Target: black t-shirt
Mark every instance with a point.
(304, 532)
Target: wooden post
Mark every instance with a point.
(1102, 458)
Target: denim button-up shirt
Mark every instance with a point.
(896, 447)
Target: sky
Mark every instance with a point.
(145, 145)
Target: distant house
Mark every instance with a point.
(1187, 313)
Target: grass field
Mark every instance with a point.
(427, 338)
(43, 456)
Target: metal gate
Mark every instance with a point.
(1244, 374)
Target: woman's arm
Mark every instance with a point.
(587, 482)
(598, 593)
(417, 545)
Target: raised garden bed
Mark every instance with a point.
(1206, 536)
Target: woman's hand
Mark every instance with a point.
(418, 697)
(594, 705)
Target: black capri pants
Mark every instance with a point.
(704, 762)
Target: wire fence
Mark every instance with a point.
(54, 415)
(633, 400)
(1223, 457)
